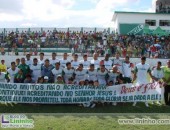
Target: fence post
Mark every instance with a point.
(108, 30)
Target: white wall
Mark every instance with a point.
(140, 18)
(8, 59)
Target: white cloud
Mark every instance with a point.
(60, 13)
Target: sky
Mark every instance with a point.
(66, 13)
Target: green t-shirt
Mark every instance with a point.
(25, 68)
(166, 71)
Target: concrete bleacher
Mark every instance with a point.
(60, 50)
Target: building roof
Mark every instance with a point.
(125, 12)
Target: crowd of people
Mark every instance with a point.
(108, 71)
(154, 46)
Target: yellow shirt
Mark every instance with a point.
(166, 71)
(3, 68)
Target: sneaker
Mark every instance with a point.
(93, 105)
(158, 102)
(146, 104)
(134, 104)
(86, 104)
(114, 103)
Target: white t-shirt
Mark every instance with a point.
(36, 71)
(101, 76)
(56, 73)
(112, 76)
(2, 77)
(127, 70)
(80, 75)
(142, 71)
(12, 74)
(75, 64)
(63, 62)
(52, 62)
(67, 74)
(118, 63)
(41, 61)
(108, 64)
(28, 62)
(92, 75)
(86, 64)
(158, 73)
(96, 63)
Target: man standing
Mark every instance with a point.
(127, 70)
(12, 71)
(95, 61)
(108, 63)
(3, 67)
(75, 62)
(41, 60)
(102, 75)
(85, 62)
(28, 60)
(166, 80)
(140, 75)
(68, 72)
(25, 68)
(36, 69)
(80, 74)
(46, 70)
(57, 71)
(157, 74)
(53, 60)
(64, 60)
(118, 62)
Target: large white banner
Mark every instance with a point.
(72, 94)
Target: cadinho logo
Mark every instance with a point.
(16, 121)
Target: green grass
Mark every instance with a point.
(107, 108)
(74, 117)
(95, 122)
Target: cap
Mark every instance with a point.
(59, 76)
(46, 77)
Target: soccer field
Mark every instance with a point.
(74, 117)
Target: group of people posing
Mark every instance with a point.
(94, 72)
